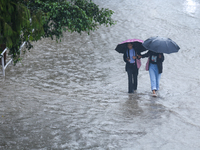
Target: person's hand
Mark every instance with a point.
(139, 56)
(160, 56)
(128, 59)
(134, 57)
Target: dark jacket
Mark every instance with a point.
(159, 61)
(128, 64)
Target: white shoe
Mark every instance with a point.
(154, 95)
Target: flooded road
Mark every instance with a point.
(73, 95)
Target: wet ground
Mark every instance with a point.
(73, 94)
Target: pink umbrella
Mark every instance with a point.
(132, 40)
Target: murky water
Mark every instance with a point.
(73, 94)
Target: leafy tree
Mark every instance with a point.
(31, 20)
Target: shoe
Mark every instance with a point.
(154, 95)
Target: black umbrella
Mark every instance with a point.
(137, 45)
(161, 45)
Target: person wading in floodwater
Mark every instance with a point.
(155, 67)
(130, 57)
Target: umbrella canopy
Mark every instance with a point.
(137, 45)
(161, 45)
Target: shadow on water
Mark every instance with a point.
(132, 107)
(147, 108)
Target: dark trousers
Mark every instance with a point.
(132, 72)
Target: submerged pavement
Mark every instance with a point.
(73, 94)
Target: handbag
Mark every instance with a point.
(147, 65)
(138, 61)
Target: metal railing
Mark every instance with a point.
(2, 59)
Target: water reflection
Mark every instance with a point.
(131, 106)
(190, 6)
(155, 110)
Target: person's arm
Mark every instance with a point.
(161, 57)
(138, 53)
(145, 55)
(126, 59)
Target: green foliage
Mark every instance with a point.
(15, 26)
(30, 20)
(73, 16)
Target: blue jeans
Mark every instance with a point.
(154, 76)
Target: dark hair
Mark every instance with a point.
(130, 43)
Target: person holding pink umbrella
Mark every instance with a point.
(130, 57)
(131, 48)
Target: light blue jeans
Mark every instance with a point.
(154, 76)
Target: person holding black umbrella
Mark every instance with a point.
(155, 68)
(130, 56)
(157, 46)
